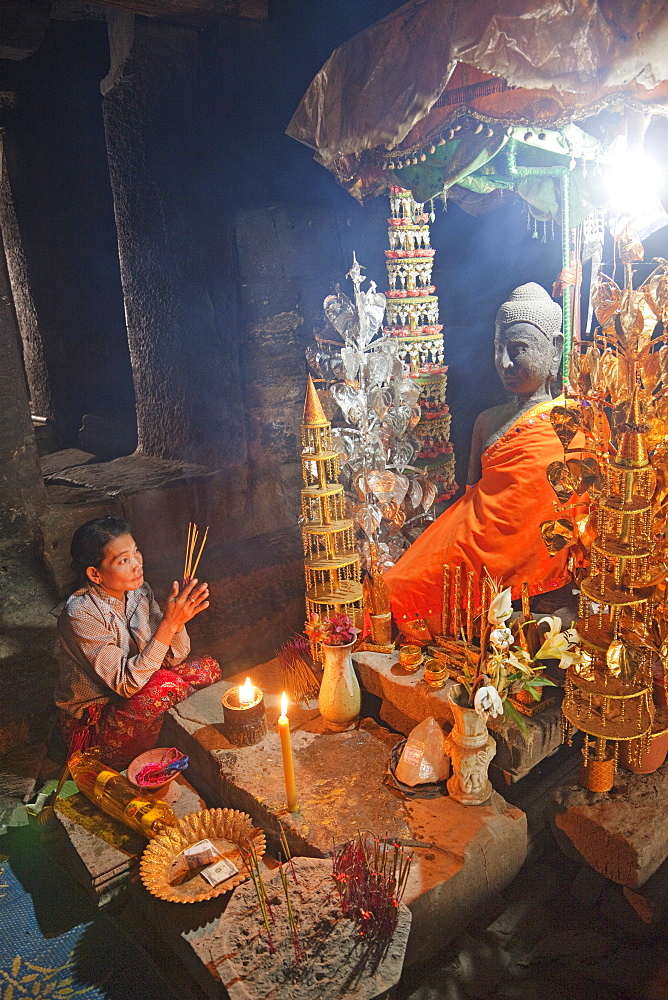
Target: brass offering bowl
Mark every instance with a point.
(410, 658)
(435, 673)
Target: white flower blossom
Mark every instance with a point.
(501, 638)
(555, 642)
(488, 702)
(501, 608)
(558, 645)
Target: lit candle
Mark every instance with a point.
(246, 693)
(244, 723)
(286, 750)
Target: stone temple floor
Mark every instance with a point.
(550, 941)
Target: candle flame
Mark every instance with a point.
(284, 704)
(247, 693)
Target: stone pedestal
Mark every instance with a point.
(407, 699)
(462, 857)
(622, 834)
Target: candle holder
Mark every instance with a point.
(245, 723)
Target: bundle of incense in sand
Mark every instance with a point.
(298, 678)
(191, 564)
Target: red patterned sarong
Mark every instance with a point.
(129, 726)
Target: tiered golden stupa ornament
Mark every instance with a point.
(412, 319)
(331, 560)
(622, 621)
(609, 692)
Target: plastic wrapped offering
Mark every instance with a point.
(114, 794)
(200, 854)
(423, 759)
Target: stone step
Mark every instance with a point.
(462, 856)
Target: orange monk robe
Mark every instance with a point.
(496, 524)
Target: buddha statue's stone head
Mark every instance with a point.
(528, 341)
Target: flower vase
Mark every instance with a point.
(339, 700)
(471, 747)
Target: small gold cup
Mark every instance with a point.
(435, 673)
(410, 658)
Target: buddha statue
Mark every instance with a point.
(496, 524)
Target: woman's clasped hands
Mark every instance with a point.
(182, 605)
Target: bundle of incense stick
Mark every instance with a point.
(252, 863)
(298, 678)
(191, 563)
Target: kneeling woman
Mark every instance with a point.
(123, 663)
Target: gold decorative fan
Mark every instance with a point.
(227, 829)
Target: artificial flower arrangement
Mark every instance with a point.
(505, 665)
(336, 629)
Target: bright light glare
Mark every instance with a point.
(284, 704)
(633, 180)
(247, 693)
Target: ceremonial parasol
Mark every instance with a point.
(428, 97)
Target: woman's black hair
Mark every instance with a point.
(89, 542)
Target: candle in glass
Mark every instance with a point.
(286, 750)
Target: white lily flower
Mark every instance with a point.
(555, 642)
(501, 638)
(570, 658)
(488, 702)
(501, 608)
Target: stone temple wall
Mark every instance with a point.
(223, 251)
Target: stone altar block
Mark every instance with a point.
(463, 856)
(622, 834)
(102, 853)
(407, 699)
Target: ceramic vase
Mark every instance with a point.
(339, 700)
(471, 748)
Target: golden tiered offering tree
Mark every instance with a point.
(412, 306)
(622, 470)
(412, 321)
(331, 560)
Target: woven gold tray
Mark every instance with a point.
(225, 828)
